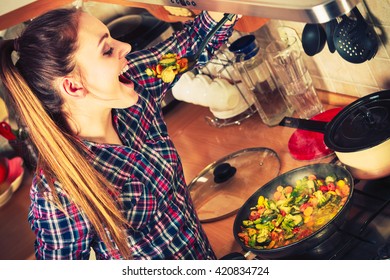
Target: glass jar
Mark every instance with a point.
(250, 62)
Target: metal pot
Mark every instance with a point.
(289, 178)
(359, 134)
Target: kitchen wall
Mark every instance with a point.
(330, 72)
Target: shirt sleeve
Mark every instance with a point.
(183, 43)
(58, 235)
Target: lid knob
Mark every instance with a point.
(223, 172)
(367, 116)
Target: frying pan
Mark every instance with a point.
(359, 134)
(289, 178)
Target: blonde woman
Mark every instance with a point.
(108, 176)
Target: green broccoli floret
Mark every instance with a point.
(323, 198)
(289, 223)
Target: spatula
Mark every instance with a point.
(192, 60)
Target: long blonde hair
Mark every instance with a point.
(46, 51)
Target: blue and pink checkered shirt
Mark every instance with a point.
(146, 170)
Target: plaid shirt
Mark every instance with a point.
(146, 170)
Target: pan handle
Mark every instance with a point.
(311, 125)
(239, 256)
(234, 256)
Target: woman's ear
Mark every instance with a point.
(72, 87)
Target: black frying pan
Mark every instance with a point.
(289, 178)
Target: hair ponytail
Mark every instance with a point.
(61, 154)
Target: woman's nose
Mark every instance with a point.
(124, 49)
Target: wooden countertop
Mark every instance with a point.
(198, 144)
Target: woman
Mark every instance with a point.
(108, 176)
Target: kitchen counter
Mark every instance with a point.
(200, 144)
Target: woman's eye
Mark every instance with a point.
(109, 52)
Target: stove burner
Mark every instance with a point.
(331, 244)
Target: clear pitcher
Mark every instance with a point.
(255, 74)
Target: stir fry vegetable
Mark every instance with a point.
(168, 67)
(293, 213)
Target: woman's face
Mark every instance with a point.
(101, 59)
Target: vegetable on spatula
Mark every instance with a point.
(168, 67)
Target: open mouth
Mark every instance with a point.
(122, 77)
(124, 80)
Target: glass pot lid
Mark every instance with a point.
(224, 186)
(363, 124)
